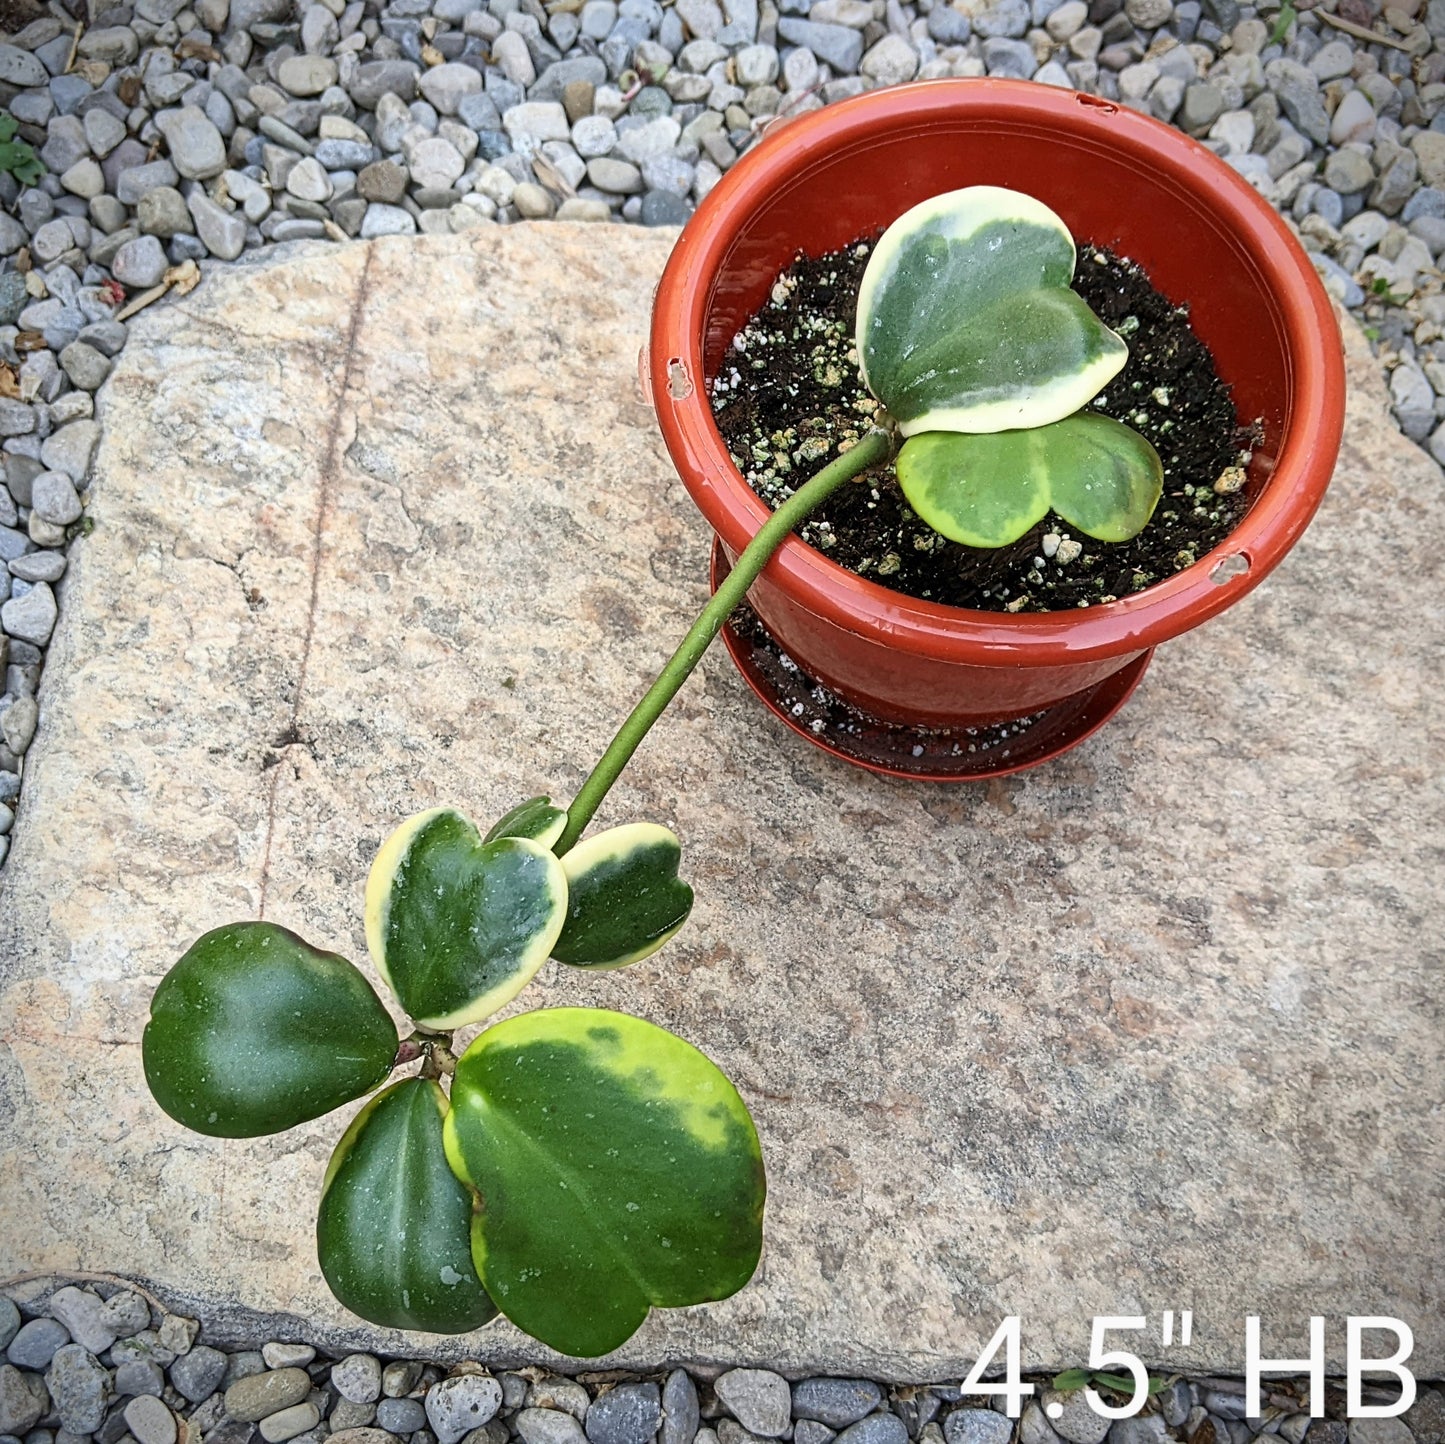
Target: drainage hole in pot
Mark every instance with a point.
(788, 396)
(1227, 568)
(679, 383)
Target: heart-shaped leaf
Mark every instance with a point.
(624, 897)
(458, 926)
(536, 819)
(986, 491)
(393, 1233)
(617, 1167)
(966, 321)
(254, 1031)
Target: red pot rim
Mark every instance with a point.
(1314, 407)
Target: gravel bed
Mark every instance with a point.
(100, 1363)
(176, 131)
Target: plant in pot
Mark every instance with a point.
(920, 682)
(576, 1167)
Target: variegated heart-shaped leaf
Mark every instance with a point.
(254, 1031)
(458, 926)
(966, 321)
(624, 897)
(986, 491)
(536, 819)
(617, 1170)
(393, 1233)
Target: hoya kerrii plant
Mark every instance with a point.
(576, 1167)
(970, 336)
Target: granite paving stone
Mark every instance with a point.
(1075, 1042)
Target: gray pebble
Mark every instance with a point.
(875, 1429)
(358, 1378)
(1141, 1429)
(287, 1356)
(1034, 1427)
(31, 618)
(140, 1376)
(87, 369)
(679, 1409)
(198, 1374)
(400, 1378)
(197, 149)
(627, 1414)
(140, 263)
(557, 1392)
(402, 1416)
(1077, 1423)
(251, 1399)
(78, 1383)
(286, 1424)
(17, 724)
(809, 1431)
(836, 1402)
(22, 1403)
(977, 1426)
(127, 1312)
(150, 1421)
(9, 1318)
(1175, 1403)
(757, 1398)
(664, 208)
(346, 1415)
(462, 1403)
(1380, 1431)
(70, 450)
(34, 1345)
(16, 418)
(835, 45)
(549, 1426)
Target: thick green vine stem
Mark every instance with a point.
(873, 449)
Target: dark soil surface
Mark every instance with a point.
(790, 392)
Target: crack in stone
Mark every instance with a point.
(325, 508)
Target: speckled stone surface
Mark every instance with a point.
(1152, 1027)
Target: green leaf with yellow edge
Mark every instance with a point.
(536, 819)
(458, 926)
(254, 1031)
(618, 1170)
(987, 491)
(624, 897)
(393, 1233)
(966, 322)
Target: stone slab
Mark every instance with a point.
(1153, 1027)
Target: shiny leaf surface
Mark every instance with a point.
(254, 1031)
(966, 321)
(624, 898)
(618, 1168)
(458, 926)
(986, 491)
(393, 1233)
(536, 819)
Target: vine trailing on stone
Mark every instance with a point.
(585, 1165)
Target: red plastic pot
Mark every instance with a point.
(1118, 179)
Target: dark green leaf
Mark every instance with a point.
(966, 321)
(1070, 1380)
(458, 926)
(624, 898)
(618, 1169)
(536, 819)
(987, 491)
(254, 1031)
(393, 1234)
